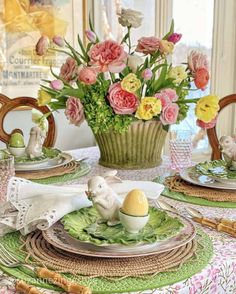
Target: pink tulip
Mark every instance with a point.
(59, 41)
(147, 74)
(42, 45)
(174, 38)
(91, 36)
(206, 126)
(57, 85)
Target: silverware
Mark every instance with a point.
(8, 260)
(221, 225)
(166, 206)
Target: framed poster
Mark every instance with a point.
(22, 22)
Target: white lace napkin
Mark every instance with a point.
(32, 206)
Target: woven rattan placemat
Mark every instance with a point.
(177, 184)
(46, 173)
(180, 196)
(195, 264)
(59, 260)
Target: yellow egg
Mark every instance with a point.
(135, 203)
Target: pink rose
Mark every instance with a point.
(57, 85)
(69, 70)
(148, 45)
(201, 78)
(206, 126)
(108, 56)
(74, 111)
(197, 60)
(121, 101)
(88, 75)
(42, 45)
(171, 93)
(91, 36)
(165, 100)
(167, 96)
(174, 38)
(59, 41)
(170, 114)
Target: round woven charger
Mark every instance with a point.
(177, 184)
(62, 261)
(57, 171)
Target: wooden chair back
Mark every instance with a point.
(211, 133)
(7, 105)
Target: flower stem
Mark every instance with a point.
(129, 40)
(194, 100)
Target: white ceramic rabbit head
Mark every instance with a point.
(226, 142)
(96, 186)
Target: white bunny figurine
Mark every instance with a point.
(228, 148)
(35, 145)
(104, 198)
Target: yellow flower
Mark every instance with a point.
(207, 108)
(148, 108)
(178, 73)
(166, 46)
(43, 98)
(131, 83)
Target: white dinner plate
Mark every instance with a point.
(58, 237)
(190, 175)
(64, 158)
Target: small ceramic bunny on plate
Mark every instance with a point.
(104, 198)
(228, 149)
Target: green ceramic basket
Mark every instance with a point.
(139, 147)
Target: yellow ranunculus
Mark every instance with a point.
(43, 98)
(207, 108)
(130, 83)
(166, 46)
(148, 108)
(177, 73)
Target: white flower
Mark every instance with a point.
(134, 61)
(129, 17)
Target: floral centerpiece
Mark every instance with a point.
(129, 94)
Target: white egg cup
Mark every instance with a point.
(16, 151)
(133, 224)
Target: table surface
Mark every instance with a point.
(219, 277)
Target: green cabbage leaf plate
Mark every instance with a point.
(82, 225)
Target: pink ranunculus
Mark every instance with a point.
(171, 93)
(108, 56)
(201, 78)
(59, 41)
(165, 100)
(170, 114)
(88, 75)
(69, 70)
(206, 126)
(42, 45)
(91, 36)
(74, 111)
(121, 101)
(174, 38)
(197, 60)
(148, 45)
(57, 85)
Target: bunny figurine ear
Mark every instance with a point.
(111, 177)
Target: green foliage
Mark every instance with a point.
(99, 113)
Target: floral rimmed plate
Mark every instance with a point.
(190, 175)
(58, 237)
(217, 170)
(47, 163)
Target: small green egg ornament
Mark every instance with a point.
(16, 140)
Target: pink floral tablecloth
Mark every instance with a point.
(219, 277)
